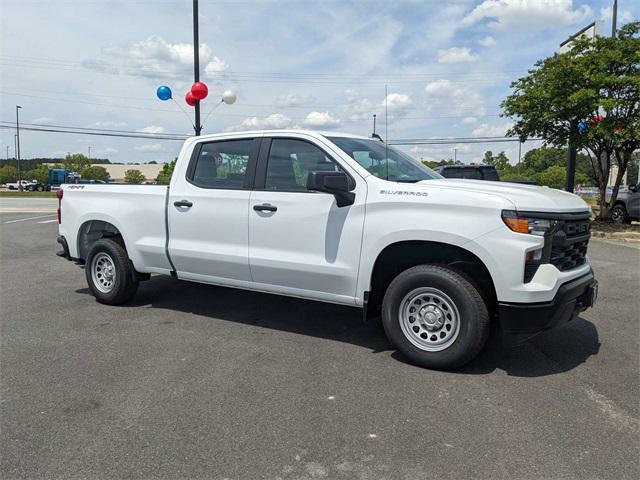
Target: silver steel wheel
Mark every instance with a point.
(429, 319)
(103, 272)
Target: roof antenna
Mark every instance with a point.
(374, 134)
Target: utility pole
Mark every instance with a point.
(196, 64)
(374, 123)
(7, 153)
(89, 147)
(455, 154)
(571, 159)
(519, 154)
(614, 18)
(18, 107)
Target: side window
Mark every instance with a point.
(222, 164)
(490, 174)
(290, 162)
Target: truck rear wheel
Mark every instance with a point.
(435, 317)
(109, 273)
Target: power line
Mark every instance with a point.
(100, 134)
(134, 134)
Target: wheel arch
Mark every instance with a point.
(93, 230)
(401, 255)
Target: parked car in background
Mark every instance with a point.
(15, 185)
(476, 172)
(627, 206)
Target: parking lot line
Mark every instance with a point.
(30, 218)
(49, 221)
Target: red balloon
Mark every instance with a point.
(199, 90)
(190, 99)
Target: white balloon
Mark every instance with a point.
(229, 97)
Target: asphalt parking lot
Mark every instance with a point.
(200, 381)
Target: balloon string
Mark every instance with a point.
(183, 111)
(211, 111)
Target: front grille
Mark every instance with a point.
(569, 243)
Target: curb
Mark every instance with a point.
(631, 237)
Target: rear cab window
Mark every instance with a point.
(222, 164)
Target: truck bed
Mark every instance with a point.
(142, 208)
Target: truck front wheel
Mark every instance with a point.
(435, 317)
(109, 273)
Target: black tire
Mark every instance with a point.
(473, 320)
(619, 214)
(40, 188)
(31, 188)
(124, 285)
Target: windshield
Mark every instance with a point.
(383, 161)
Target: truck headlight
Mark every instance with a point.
(541, 227)
(531, 225)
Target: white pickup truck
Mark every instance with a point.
(343, 219)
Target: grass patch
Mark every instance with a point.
(16, 193)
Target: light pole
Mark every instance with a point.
(196, 65)
(18, 107)
(89, 147)
(614, 18)
(7, 153)
(455, 155)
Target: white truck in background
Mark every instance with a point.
(343, 219)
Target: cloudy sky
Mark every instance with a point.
(304, 64)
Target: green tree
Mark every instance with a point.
(555, 176)
(134, 176)
(597, 82)
(76, 162)
(8, 174)
(164, 177)
(94, 173)
(500, 161)
(40, 174)
(539, 159)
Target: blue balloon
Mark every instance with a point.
(164, 93)
(581, 126)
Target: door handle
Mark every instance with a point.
(183, 203)
(265, 207)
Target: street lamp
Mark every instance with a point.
(18, 107)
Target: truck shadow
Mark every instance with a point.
(553, 352)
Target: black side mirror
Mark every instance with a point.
(336, 183)
(633, 188)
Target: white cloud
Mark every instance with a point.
(275, 120)
(321, 120)
(444, 95)
(41, 120)
(149, 147)
(155, 57)
(487, 41)
(530, 14)
(294, 100)
(624, 16)
(469, 120)
(456, 55)
(486, 130)
(215, 66)
(398, 102)
(152, 129)
(107, 151)
(358, 108)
